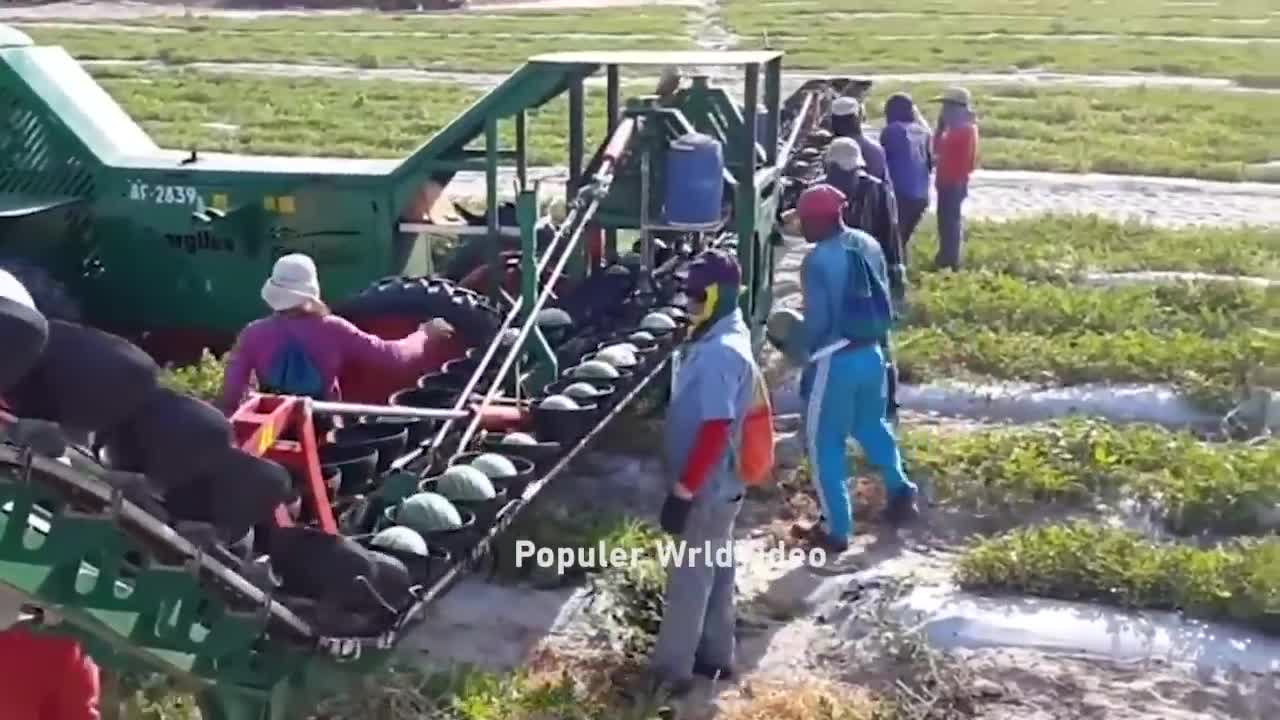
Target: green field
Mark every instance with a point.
(1073, 466)
(1111, 9)
(1061, 247)
(1237, 581)
(1213, 135)
(632, 21)
(1251, 63)
(755, 19)
(457, 53)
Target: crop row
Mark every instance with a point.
(1217, 135)
(1073, 466)
(1238, 582)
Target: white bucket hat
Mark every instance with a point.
(293, 282)
(845, 154)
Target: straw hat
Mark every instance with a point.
(293, 283)
(956, 95)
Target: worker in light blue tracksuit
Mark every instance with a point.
(847, 317)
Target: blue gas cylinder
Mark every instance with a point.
(695, 181)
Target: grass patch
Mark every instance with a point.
(639, 20)
(1061, 247)
(1239, 582)
(1195, 486)
(1210, 135)
(445, 52)
(342, 118)
(1199, 338)
(848, 51)
(1023, 8)
(750, 18)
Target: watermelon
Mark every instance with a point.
(465, 483)
(428, 512)
(518, 438)
(558, 402)
(400, 538)
(494, 466)
(658, 323)
(617, 356)
(554, 318)
(581, 391)
(597, 369)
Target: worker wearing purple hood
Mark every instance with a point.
(908, 151)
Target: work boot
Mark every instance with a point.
(815, 535)
(901, 509)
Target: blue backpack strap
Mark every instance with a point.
(868, 311)
(293, 373)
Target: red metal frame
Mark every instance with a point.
(258, 425)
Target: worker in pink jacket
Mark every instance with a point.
(301, 348)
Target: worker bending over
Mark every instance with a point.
(847, 319)
(709, 400)
(301, 348)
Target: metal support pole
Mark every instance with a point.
(745, 207)
(577, 133)
(491, 206)
(522, 154)
(546, 368)
(613, 108)
(340, 408)
(772, 102)
(611, 103)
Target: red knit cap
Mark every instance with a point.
(821, 203)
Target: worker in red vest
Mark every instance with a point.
(46, 677)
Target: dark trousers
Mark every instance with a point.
(950, 225)
(910, 211)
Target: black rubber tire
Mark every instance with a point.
(86, 380)
(473, 315)
(51, 296)
(238, 492)
(172, 438)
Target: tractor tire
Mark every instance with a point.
(417, 300)
(51, 296)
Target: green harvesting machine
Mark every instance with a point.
(169, 248)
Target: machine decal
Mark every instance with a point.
(200, 241)
(290, 240)
(165, 194)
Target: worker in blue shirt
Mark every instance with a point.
(847, 317)
(712, 393)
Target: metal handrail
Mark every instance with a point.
(596, 190)
(569, 234)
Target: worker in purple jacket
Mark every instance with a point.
(302, 348)
(908, 152)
